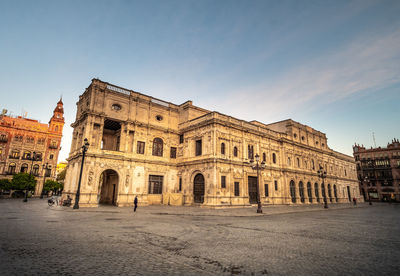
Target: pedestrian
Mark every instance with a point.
(135, 203)
(354, 201)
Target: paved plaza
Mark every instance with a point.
(163, 240)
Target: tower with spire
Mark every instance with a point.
(56, 122)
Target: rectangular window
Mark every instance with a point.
(155, 184)
(181, 139)
(266, 190)
(276, 185)
(48, 172)
(173, 152)
(236, 188)
(223, 181)
(140, 147)
(250, 152)
(180, 184)
(198, 147)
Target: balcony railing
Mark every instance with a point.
(3, 139)
(53, 147)
(13, 157)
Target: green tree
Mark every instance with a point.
(51, 185)
(61, 176)
(5, 185)
(23, 181)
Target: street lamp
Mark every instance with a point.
(322, 175)
(45, 168)
(78, 191)
(366, 179)
(257, 166)
(33, 157)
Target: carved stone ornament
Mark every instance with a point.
(90, 178)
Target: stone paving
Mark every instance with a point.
(36, 239)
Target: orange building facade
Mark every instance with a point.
(26, 145)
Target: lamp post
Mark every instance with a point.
(258, 166)
(78, 191)
(45, 168)
(33, 157)
(322, 175)
(366, 179)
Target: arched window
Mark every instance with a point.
(274, 158)
(309, 192)
(316, 191)
(301, 191)
(264, 157)
(293, 191)
(222, 148)
(27, 155)
(158, 147)
(35, 170)
(11, 168)
(235, 151)
(335, 192)
(24, 168)
(330, 193)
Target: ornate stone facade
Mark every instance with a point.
(379, 171)
(21, 137)
(183, 154)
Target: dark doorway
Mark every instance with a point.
(292, 191)
(198, 188)
(348, 193)
(301, 191)
(109, 187)
(252, 189)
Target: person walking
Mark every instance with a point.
(135, 203)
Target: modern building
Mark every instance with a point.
(378, 171)
(184, 154)
(26, 145)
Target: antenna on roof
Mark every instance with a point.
(373, 137)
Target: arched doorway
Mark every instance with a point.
(108, 187)
(301, 191)
(316, 191)
(293, 191)
(309, 192)
(198, 188)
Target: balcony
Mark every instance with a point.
(53, 147)
(3, 139)
(13, 157)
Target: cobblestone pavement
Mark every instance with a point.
(36, 239)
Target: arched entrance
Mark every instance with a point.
(293, 191)
(301, 191)
(108, 187)
(198, 188)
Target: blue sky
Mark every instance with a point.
(334, 65)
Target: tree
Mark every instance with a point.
(61, 176)
(23, 181)
(51, 185)
(5, 185)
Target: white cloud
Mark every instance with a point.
(369, 62)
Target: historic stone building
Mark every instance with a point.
(378, 171)
(184, 154)
(29, 146)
